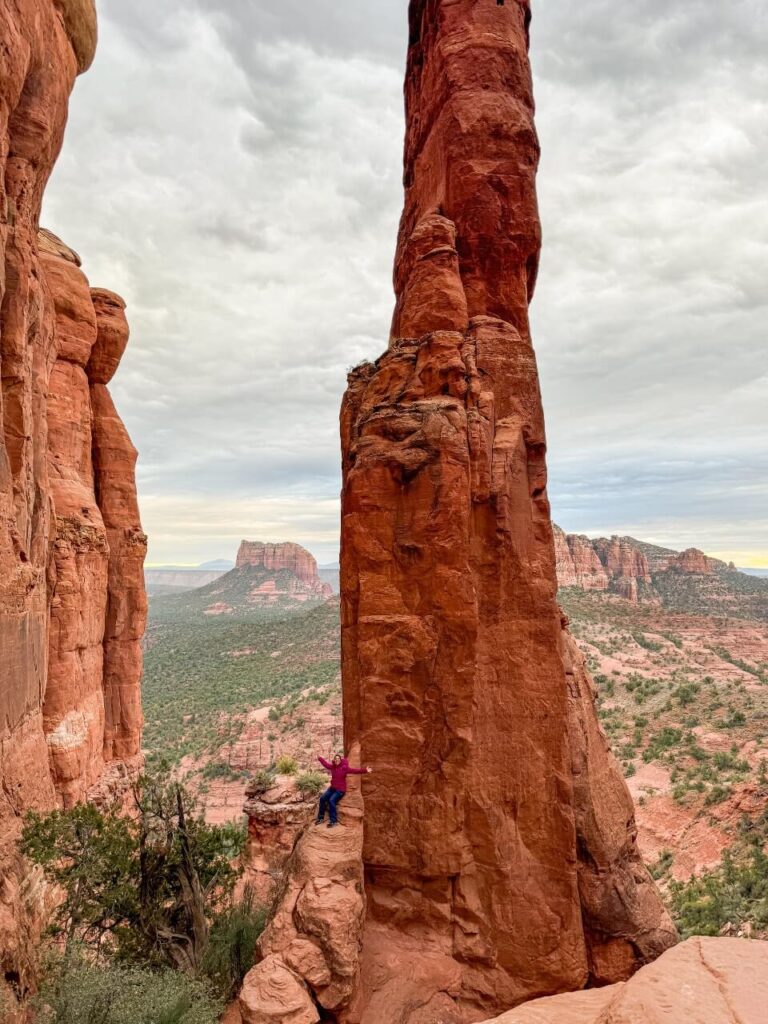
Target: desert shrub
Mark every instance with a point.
(662, 865)
(311, 783)
(142, 889)
(286, 765)
(220, 770)
(261, 781)
(736, 892)
(685, 694)
(662, 742)
(78, 992)
(733, 719)
(232, 943)
(717, 794)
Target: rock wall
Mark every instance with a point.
(499, 849)
(71, 595)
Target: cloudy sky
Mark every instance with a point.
(232, 167)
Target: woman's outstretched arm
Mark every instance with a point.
(358, 771)
(326, 764)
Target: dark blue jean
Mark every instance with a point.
(330, 800)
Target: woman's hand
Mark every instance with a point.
(368, 770)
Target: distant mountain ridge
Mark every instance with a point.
(682, 581)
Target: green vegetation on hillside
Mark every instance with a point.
(147, 914)
(723, 592)
(235, 591)
(197, 674)
(734, 896)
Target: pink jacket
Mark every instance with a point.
(339, 773)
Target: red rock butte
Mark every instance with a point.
(72, 601)
(499, 838)
(286, 557)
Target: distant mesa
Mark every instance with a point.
(265, 578)
(276, 557)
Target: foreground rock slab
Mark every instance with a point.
(701, 981)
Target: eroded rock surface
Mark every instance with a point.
(500, 855)
(276, 818)
(67, 583)
(702, 981)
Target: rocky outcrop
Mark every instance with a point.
(577, 563)
(500, 857)
(276, 818)
(309, 951)
(275, 558)
(67, 586)
(694, 562)
(623, 565)
(622, 559)
(702, 981)
(92, 706)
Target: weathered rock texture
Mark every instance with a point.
(68, 587)
(702, 981)
(276, 818)
(500, 856)
(578, 563)
(310, 949)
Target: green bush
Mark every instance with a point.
(286, 765)
(262, 781)
(220, 770)
(734, 893)
(77, 992)
(232, 943)
(145, 888)
(311, 783)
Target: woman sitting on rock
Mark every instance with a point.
(339, 769)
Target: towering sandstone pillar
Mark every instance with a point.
(72, 604)
(499, 846)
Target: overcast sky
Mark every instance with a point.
(233, 168)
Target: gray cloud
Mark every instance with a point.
(233, 168)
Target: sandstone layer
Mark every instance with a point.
(702, 981)
(500, 854)
(71, 603)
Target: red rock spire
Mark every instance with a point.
(499, 835)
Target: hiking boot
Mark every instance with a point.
(332, 824)
(319, 821)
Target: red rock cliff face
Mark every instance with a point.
(499, 850)
(72, 603)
